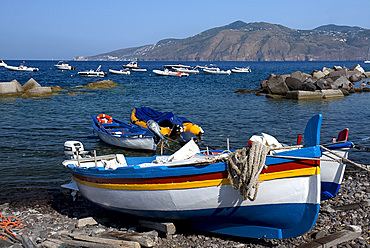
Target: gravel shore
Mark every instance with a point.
(50, 214)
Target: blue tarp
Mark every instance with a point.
(147, 114)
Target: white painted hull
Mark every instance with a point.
(121, 72)
(92, 73)
(217, 72)
(130, 143)
(170, 73)
(24, 68)
(270, 192)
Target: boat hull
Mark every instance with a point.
(332, 174)
(287, 202)
(143, 143)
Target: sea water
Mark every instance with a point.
(33, 130)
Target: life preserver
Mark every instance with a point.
(103, 118)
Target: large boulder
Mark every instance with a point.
(358, 68)
(309, 87)
(341, 82)
(10, 88)
(293, 83)
(318, 74)
(322, 84)
(38, 92)
(101, 84)
(300, 75)
(276, 85)
(30, 84)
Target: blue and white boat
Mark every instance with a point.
(119, 133)
(190, 186)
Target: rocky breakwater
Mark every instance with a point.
(30, 89)
(326, 83)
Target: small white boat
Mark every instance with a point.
(138, 69)
(63, 65)
(21, 68)
(92, 73)
(239, 69)
(187, 70)
(217, 71)
(131, 65)
(2, 63)
(167, 72)
(176, 66)
(121, 72)
(367, 61)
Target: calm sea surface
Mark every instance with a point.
(33, 131)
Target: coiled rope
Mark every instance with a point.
(244, 167)
(7, 223)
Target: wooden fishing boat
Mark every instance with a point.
(170, 123)
(332, 169)
(119, 133)
(193, 187)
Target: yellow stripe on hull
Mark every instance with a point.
(200, 184)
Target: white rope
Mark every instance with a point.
(244, 167)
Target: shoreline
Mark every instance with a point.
(48, 214)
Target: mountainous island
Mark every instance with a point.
(259, 41)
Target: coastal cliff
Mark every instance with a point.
(260, 41)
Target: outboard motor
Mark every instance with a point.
(186, 136)
(72, 149)
(156, 130)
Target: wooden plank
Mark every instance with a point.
(351, 233)
(146, 239)
(114, 242)
(165, 227)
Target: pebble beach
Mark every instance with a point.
(49, 216)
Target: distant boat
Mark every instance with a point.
(22, 67)
(92, 73)
(122, 72)
(167, 72)
(63, 65)
(138, 69)
(368, 58)
(217, 71)
(243, 69)
(131, 65)
(176, 66)
(119, 133)
(2, 63)
(187, 70)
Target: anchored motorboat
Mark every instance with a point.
(63, 65)
(167, 72)
(122, 72)
(241, 69)
(22, 67)
(92, 73)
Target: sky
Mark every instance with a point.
(60, 30)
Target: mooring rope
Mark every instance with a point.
(346, 160)
(244, 167)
